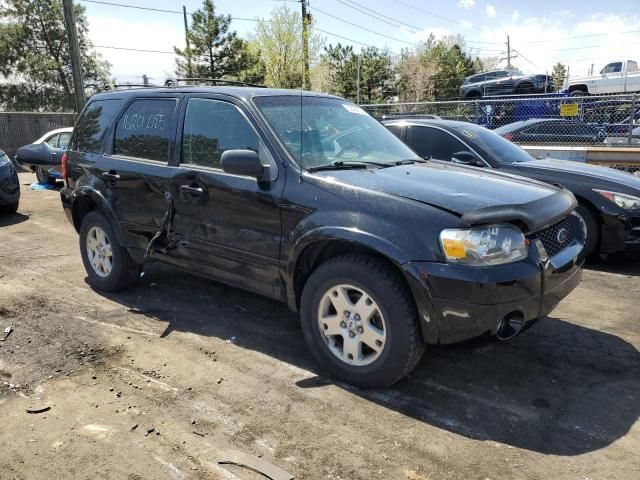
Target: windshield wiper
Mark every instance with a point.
(409, 161)
(340, 164)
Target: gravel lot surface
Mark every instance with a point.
(157, 382)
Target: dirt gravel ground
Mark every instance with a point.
(159, 381)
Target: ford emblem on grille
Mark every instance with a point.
(562, 236)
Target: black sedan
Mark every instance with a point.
(9, 186)
(609, 200)
(552, 130)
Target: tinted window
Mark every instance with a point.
(503, 74)
(396, 130)
(63, 140)
(144, 130)
(210, 128)
(491, 146)
(431, 142)
(92, 123)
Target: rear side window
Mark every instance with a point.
(210, 128)
(396, 130)
(92, 124)
(434, 143)
(145, 129)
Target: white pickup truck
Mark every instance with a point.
(615, 77)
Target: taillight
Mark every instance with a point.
(63, 169)
(508, 136)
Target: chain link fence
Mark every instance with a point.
(555, 119)
(20, 128)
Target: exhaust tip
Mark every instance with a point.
(510, 326)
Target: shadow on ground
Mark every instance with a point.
(559, 388)
(7, 220)
(623, 264)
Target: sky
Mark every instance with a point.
(542, 32)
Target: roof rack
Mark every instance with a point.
(173, 82)
(107, 87)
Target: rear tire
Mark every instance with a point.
(391, 329)
(592, 227)
(579, 93)
(109, 266)
(43, 177)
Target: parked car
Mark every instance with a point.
(307, 199)
(551, 130)
(624, 139)
(45, 154)
(9, 186)
(616, 77)
(608, 200)
(505, 82)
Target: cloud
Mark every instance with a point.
(558, 36)
(467, 4)
(515, 16)
(466, 24)
(491, 11)
(142, 34)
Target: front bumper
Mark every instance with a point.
(457, 302)
(620, 232)
(9, 185)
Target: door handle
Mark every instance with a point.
(190, 190)
(111, 175)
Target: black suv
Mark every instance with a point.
(305, 198)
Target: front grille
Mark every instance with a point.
(555, 240)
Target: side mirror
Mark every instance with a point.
(467, 158)
(242, 162)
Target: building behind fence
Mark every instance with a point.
(583, 120)
(20, 128)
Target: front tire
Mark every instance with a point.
(360, 322)
(109, 266)
(591, 228)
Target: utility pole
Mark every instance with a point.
(508, 52)
(74, 53)
(306, 20)
(186, 39)
(145, 80)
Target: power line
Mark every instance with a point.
(431, 13)
(348, 39)
(376, 15)
(363, 28)
(158, 10)
(134, 49)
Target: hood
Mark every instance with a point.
(476, 195)
(593, 172)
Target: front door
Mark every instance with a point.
(228, 225)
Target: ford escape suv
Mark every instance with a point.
(307, 199)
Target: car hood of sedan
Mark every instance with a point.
(478, 196)
(569, 167)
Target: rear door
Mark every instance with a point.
(135, 168)
(227, 225)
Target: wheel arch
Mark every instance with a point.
(579, 87)
(323, 244)
(86, 200)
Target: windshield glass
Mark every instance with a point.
(493, 146)
(321, 131)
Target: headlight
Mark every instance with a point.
(480, 246)
(628, 202)
(4, 160)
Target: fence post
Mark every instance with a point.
(477, 112)
(632, 116)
